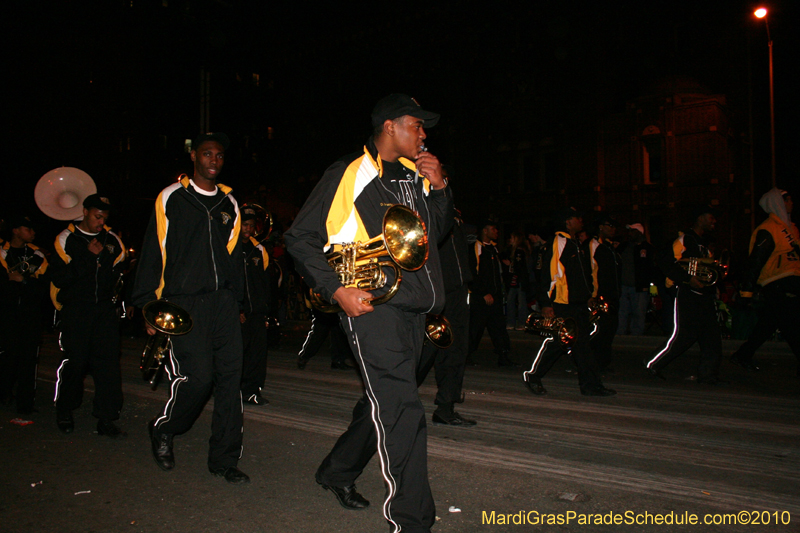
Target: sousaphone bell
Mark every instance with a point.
(167, 319)
(60, 193)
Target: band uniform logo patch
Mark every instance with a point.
(256, 260)
(110, 248)
(225, 218)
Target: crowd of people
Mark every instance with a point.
(578, 283)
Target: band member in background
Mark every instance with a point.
(88, 262)
(607, 266)
(694, 311)
(192, 257)
(487, 295)
(324, 326)
(774, 264)
(567, 286)
(348, 205)
(449, 363)
(259, 303)
(23, 287)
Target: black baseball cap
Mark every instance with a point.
(98, 202)
(219, 137)
(397, 105)
(605, 219)
(248, 213)
(566, 214)
(20, 221)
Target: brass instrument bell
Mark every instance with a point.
(167, 319)
(562, 329)
(438, 331)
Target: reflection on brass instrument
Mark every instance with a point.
(167, 319)
(263, 221)
(23, 267)
(118, 289)
(708, 271)
(562, 329)
(359, 264)
(597, 308)
(60, 193)
(438, 331)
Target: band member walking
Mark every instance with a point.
(88, 262)
(567, 286)
(348, 205)
(192, 256)
(607, 265)
(694, 311)
(774, 264)
(23, 286)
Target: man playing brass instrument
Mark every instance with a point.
(695, 316)
(348, 205)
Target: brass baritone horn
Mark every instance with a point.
(597, 308)
(167, 319)
(562, 329)
(708, 271)
(438, 331)
(360, 264)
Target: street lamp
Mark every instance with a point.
(761, 13)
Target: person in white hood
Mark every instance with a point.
(774, 264)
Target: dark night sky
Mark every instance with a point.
(85, 75)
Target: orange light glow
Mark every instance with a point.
(761, 12)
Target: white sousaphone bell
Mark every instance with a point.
(60, 193)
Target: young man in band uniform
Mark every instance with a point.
(567, 286)
(348, 205)
(23, 286)
(694, 312)
(88, 262)
(191, 256)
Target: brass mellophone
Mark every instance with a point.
(167, 319)
(438, 331)
(597, 308)
(708, 271)
(562, 329)
(360, 264)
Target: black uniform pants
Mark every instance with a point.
(208, 356)
(324, 325)
(20, 354)
(491, 317)
(254, 365)
(580, 350)
(695, 320)
(389, 418)
(603, 337)
(449, 363)
(781, 311)
(90, 343)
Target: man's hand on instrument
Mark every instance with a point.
(95, 246)
(16, 276)
(150, 329)
(489, 299)
(430, 167)
(548, 312)
(242, 318)
(354, 302)
(694, 282)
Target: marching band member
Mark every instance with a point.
(348, 205)
(191, 256)
(85, 269)
(694, 312)
(567, 286)
(22, 288)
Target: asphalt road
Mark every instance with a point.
(666, 450)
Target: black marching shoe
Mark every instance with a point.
(348, 497)
(341, 365)
(301, 363)
(110, 429)
(64, 421)
(162, 449)
(748, 365)
(504, 360)
(256, 399)
(231, 474)
(598, 391)
(535, 386)
(712, 380)
(653, 372)
(451, 419)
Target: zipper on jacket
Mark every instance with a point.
(210, 235)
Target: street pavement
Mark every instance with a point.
(667, 450)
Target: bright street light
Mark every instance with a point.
(761, 13)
